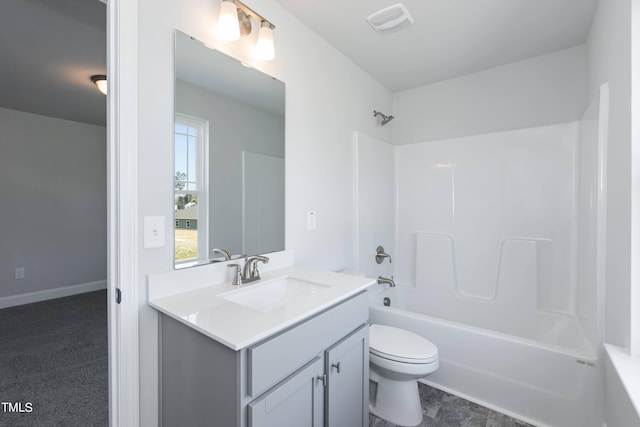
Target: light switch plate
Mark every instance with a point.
(311, 220)
(153, 232)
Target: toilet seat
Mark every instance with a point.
(400, 345)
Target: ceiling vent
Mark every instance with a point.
(390, 19)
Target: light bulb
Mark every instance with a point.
(265, 48)
(102, 86)
(228, 26)
(101, 82)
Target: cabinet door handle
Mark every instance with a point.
(322, 378)
(337, 366)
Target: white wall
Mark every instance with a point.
(635, 183)
(328, 98)
(375, 194)
(544, 90)
(609, 60)
(622, 376)
(53, 219)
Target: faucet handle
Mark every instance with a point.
(381, 255)
(262, 259)
(251, 273)
(237, 278)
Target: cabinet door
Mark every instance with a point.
(298, 401)
(347, 393)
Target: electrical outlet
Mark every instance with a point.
(18, 273)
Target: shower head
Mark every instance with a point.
(385, 119)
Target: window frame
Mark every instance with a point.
(202, 182)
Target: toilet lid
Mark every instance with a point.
(401, 345)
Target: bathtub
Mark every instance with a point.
(544, 384)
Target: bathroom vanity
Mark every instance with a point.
(293, 351)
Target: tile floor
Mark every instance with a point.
(441, 409)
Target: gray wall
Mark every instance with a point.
(53, 212)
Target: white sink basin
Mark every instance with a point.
(272, 294)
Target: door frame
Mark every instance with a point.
(122, 228)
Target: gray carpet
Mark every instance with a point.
(53, 355)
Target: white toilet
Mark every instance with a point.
(397, 359)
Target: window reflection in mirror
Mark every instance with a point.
(229, 156)
(190, 188)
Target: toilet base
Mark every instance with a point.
(396, 401)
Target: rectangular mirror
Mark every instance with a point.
(229, 156)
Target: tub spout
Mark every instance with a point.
(386, 281)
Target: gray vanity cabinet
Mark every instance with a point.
(312, 374)
(330, 391)
(298, 401)
(347, 394)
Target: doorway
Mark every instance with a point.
(54, 173)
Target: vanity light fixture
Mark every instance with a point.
(100, 81)
(234, 21)
(265, 48)
(228, 24)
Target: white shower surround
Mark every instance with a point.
(487, 230)
(498, 242)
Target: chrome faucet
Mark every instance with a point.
(386, 281)
(381, 255)
(250, 271)
(222, 252)
(237, 278)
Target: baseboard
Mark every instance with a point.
(48, 294)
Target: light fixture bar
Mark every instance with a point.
(234, 21)
(246, 9)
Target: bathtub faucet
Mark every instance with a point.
(386, 281)
(381, 255)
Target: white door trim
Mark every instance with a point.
(122, 154)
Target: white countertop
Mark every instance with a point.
(237, 326)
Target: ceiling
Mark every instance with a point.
(51, 48)
(449, 38)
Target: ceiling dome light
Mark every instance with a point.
(100, 80)
(265, 48)
(228, 26)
